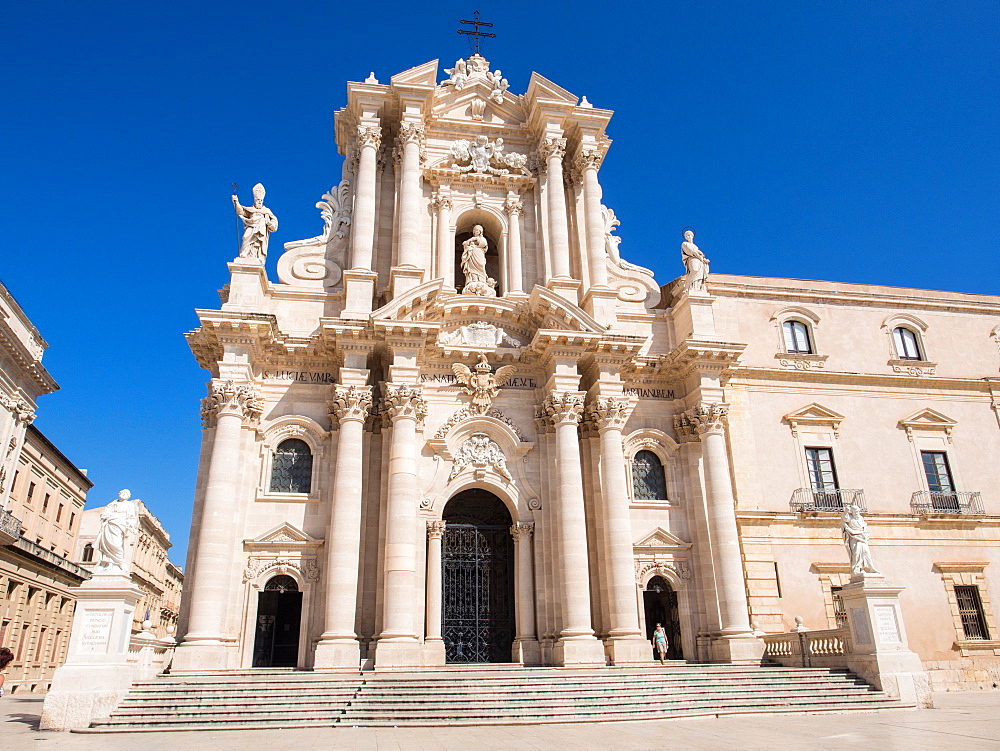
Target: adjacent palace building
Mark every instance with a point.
(461, 428)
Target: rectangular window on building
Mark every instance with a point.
(970, 608)
(21, 642)
(54, 652)
(59, 513)
(31, 491)
(40, 645)
(32, 591)
(823, 478)
(72, 518)
(12, 586)
(839, 611)
(45, 502)
(939, 482)
(4, 626)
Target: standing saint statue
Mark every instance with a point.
(695, 263)
(477, 282)
(855, 531)
(258, 223)
(119, 521)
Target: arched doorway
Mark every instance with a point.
(660, 603)
(477, 560)
(279, 614)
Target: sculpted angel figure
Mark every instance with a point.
(482, 384)
(119, 521)
(500, 85)
(855, 531)
(258, 224)
(695, 263)
(459, 75)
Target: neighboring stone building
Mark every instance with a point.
(42, 494)
(460, 428)
(152, 572)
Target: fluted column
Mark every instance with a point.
(338, 646)
(524, 583)
(226, 409)
(588, 162)
(710, 422)
(553, 150)
(432, 618)
(445, 244)
(410, 135)
(405, 406)
(363, 219)
(515, 208)
(565, 410)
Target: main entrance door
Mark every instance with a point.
(279, 613)
(477, 616)
(660, 603)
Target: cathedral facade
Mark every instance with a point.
(462, 428)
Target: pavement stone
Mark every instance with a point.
(965, 721)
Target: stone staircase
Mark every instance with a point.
(482, 695)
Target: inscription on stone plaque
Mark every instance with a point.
(861, 633)
(650, 393)
(299, 376)
(513, 382)
(96, 628)
(885, 618)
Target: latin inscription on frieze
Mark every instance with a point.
(514, 382)
(298, 376)
(650, 393)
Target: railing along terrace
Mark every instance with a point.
(947, 502)
(827, 649)
(10, 527)
(807, 499)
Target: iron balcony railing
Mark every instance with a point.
(10, 527)
(947, 502)
(808, 500)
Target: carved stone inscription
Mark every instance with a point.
(96, 628)
(885, 617)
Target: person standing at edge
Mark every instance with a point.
(660, 642)
(6, 657)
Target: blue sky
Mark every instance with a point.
(850, 141)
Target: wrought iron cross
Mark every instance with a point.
(475, 33)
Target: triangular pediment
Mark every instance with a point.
(928, 418)
(815, 415)
(539, 87)
(661, 539)
(284, 535)
(421, 75)
(455, 105)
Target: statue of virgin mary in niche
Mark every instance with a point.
(477, 282)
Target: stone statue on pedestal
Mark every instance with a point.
(695, 263)
(855, 531)
(477, 282)
(119, 521)
(258, 223)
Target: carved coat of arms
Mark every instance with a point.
(482, 384)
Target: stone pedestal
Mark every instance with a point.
(879, 653)
(404, 278)
(633, 650)
(248, 285)
(694, 317)
(527, 652)
(359, 288)
(601, 303)
(740, 649)
(96, 675)
(568, 289)
(580, 652)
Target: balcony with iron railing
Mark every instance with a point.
(10, 527)
(807, 500)
(965, 503)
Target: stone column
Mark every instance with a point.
(588, 162)
(410, 135)
(626, 643)
(526, 649)
(205, 645)
(398, 644)
(445, 243)
(435, 531)
(553, 150)
(577, 644)
(514, 208)
(338, 646)
(363, 219)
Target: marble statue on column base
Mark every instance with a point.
(258, 223)
(695, 263)
(855, 531)
(119, 522)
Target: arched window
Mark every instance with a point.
(281, 583)
(907, 344)
(291, 469)
(648, 480)
(797, 337)
(88, 553)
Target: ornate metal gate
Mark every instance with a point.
(478, 582)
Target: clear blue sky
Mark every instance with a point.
(850, 141)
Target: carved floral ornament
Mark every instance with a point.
(674, 570)
(480, 452)
(351, 403)
(466, 412)
(406, 402)
(563, 407)
(18, 407)
(699, 420)
(610, 414)
(231, 398)
(484, 157)
(551, 148)
(522, 531)
(306, 568)
(369, 135)
(435, 529)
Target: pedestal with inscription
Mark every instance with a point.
(96, 674)
(878, 652)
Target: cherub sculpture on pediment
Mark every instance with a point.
(482, 384)
(479, 157)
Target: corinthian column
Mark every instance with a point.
(524, 589)
(410, 135)
(514, 208)
(363, 220)
(710, 422)
(338, 646)
(553, 150)
(577, 644)
(588, 162)
(626, 641)
(397, 643)
(227, 408)
(432, 618)
(445, 245)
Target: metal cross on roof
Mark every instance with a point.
(475, 33)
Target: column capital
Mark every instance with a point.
(564, 407)
(351, 403)
(435, 529)
(369, 135)
(442, 203)
(610, 413)
(588, 159)
(552, 147)
(514, 206)
(522, 531)
(230, 398)
(19, 408)
(411, 133)
(404, 401)
(703, 419)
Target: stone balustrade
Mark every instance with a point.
(149, 655)
(808, 649)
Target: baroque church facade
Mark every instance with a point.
(461, 428)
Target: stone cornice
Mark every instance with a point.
(743, 375)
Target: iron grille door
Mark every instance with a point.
(478, 596)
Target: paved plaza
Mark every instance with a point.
(961, 721)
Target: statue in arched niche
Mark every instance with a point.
(477, 281)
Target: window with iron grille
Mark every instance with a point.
(648, 480)
(839, 611)
(797, 338)
(970, 608)
(291, 469)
